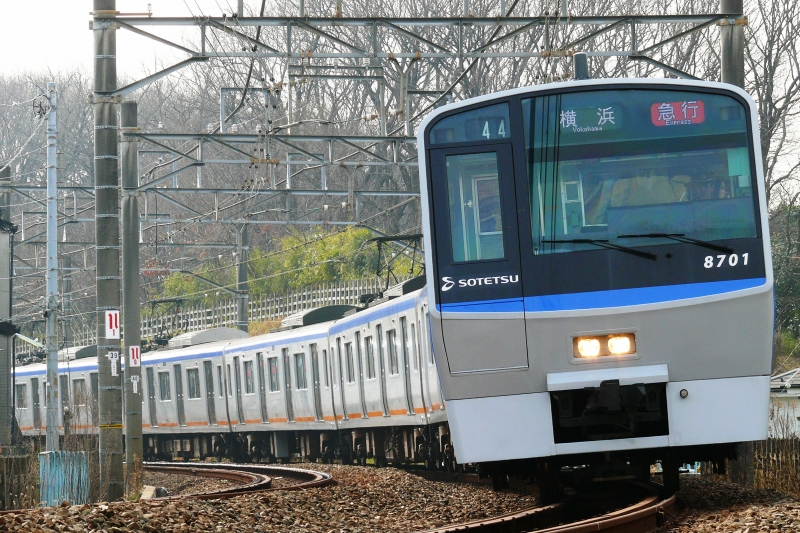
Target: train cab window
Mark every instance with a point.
(300, 370)
(327, 370)
(193, 383)
(476, 223)
(79, 391)
(391, 344)
(351, 371)
(249, 378)
(163, 386)
(22, 396)
(220, 386)
(369, 348)
(274, 382)
(636, 169)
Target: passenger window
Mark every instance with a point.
(79, 391)
(193, 382)
(22, 396)
(476, 224)
(249, 378)
(351, 371)
(274, 384)
(370, 349)
(391, 344)
(219, 382)
(300, 370)
(163, 385)
(327, 368)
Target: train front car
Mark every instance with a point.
(600, 276)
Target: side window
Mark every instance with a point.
(249, 378)
(351, 371)
(163, 385)
(193, 382)
(274, 383)
(327, 370)
(230, 389)
(219, 382)
(79, 391)
(414, 347)
(300, 370)
(369, 347)
(391, 344)
(22, 396)
(476, 225)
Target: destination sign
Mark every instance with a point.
(678, 113)
(589, 119)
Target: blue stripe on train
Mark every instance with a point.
(604, 299)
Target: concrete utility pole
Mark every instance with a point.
(6, 336)
(242, 321)
(132, 323)
(731, 37)
(51, 276)
(106, 185)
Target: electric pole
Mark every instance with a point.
(731, 36)
(51, 276)
(129, 165)
(107, 239)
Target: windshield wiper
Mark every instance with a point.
(602, 243)
(679, 237)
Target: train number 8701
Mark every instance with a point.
(731, 260)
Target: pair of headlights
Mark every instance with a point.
(604, 345)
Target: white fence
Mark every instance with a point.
(223, 313)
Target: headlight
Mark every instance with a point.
(619, 345)
(589, 347)
(604, 345)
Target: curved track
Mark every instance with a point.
(249, 477)
(642, 516)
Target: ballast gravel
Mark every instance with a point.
(365, 500)
(713, 506)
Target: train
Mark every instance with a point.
(600, 284)
(354, 383)
(598, 296)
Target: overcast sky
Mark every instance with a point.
(37, 35)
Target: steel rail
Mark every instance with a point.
(254, 478)
(642, 516)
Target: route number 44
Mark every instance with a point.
(723, 259)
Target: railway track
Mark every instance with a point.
(647, 512)
(248, 478)
(644, 515)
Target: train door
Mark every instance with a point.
(341, 376)
(406, 365)
(262, 387)
(176, 370)
(287, 378)
(360, 358)
(477, 254)
(382, 369)
(315, 377)
(237, 380)
(37, 414)
(208, 371)
(151, 396)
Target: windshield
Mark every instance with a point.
(637, 168)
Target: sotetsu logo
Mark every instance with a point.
(472, 282)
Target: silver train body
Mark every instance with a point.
(368, 378)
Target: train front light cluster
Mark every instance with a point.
(589, 347)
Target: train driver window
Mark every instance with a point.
(476, 224)
(163, 385)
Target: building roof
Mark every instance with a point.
(785, 381)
